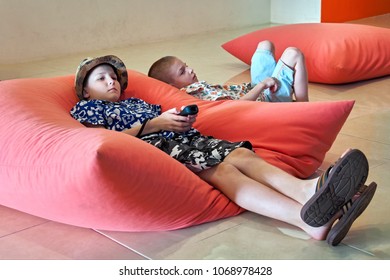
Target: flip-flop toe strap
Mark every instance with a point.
(349, 203)
(323, 177)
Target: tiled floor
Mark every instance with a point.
(247, 236)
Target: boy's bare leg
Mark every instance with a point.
(295, 59)
(261, 171)
(259, 198)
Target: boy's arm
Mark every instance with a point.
(131, 131)
(169, 120)
(253, 94)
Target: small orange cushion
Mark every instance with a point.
(335, 52)
(54, 167)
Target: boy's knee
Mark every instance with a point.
(293, 53)
(266, 45)
(292, 56)
(226, 169)
(240, 154)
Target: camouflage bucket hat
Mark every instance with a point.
(90, 63)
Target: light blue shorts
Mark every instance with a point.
(264, 66)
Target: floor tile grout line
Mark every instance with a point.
(370, 140)
(361, 250)
(122, 244)
(24, 229)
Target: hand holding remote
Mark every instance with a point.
(189, 110)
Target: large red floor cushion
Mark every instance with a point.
(54, 167)
(335, 52)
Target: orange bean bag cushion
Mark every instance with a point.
(54, 167)
(335, 52)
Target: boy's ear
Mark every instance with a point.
(85, 93)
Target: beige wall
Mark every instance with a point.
(40, 29)
(295, 11)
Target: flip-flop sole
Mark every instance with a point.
(341, 228)
(346, 177)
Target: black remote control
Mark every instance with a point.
(189, 110)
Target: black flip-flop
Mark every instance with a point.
(341, 228)
(335, 188)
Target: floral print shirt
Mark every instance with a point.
(205, 91)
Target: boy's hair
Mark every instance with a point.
(90, 63)
(159, 69)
